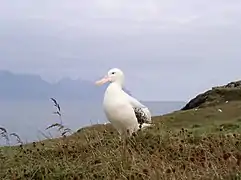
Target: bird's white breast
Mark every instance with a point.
(117, 107)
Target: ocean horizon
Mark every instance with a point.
(29, 119)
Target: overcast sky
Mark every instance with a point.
(168, 49)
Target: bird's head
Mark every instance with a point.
(114, 75)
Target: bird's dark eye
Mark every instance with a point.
(113, 73)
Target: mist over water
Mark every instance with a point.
(30, 119)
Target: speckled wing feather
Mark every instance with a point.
(140, 115)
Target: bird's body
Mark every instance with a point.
(119, 111)
(125, 113)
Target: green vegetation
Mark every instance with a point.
(203, 143)
(214, 97)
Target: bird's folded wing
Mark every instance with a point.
(137, 104)
(148, 114)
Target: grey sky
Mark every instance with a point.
(169, 50)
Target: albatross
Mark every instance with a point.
(124, 112)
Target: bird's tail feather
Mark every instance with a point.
(146, 125)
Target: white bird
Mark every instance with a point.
(126, 114)
(220, 110)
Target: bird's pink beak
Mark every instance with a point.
(102, 81)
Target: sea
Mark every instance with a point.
(29, 119)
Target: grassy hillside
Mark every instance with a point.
(202, 143)
(216, 95)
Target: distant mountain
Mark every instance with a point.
(33, 87)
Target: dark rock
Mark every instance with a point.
(236, 84)
(217, 95)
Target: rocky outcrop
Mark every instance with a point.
(217, 95)
(236, 84)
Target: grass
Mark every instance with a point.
(193, 144)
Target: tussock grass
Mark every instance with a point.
(193, 144)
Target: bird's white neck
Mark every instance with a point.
(115, 85)
(113, 88)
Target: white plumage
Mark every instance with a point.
(126, 114)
